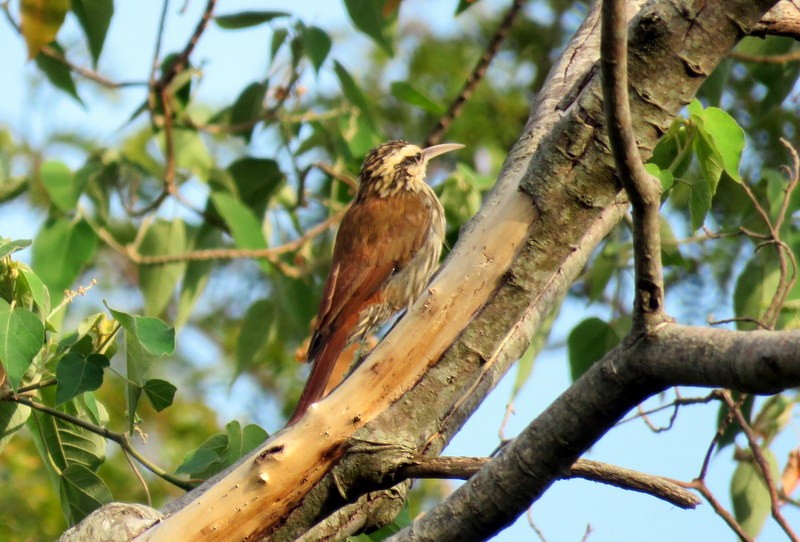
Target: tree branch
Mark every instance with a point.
(753, 362)
(475, 76)
(644, 191)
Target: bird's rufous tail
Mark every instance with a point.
(321, 371)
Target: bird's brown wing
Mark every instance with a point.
(376, 237)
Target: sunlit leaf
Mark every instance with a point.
(158, 281)
(755, 289)
(21, 338)
(41, 21)
(9, 246)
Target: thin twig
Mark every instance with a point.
(139, 477)
(182, 60)
(680, 401)
(643, 190)
(120, 438)
(763, 465)
(476, 76)
(793, 56)
(700, 486)
(270, 254)
(748, 319)
(328, 170)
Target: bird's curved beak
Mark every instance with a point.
(436, 150)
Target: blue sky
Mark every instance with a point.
(231, 60)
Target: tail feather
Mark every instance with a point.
(323, 366)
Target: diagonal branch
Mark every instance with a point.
(475, 77)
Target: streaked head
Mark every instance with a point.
(397, 164)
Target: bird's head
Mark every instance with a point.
(397, 165)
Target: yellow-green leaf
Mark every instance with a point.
(41, 21)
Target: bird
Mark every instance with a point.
(387, 247)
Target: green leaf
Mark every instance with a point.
(244, 226)
(256, 180)
(317, 44)
(160, 393)
(77, 374)
(61, 185)
(352, 92)
(191, 152)
(241, 441)
(527, 360)
(755, 288)
(21, 338)
(82, 492)
(774, 416)
(405, 92)
(727, 138)
(145, 340)
(664, 175)
(463, 5)
(278, 38)
(61, 443)
(60, 251)
(248, 108)
(12, 417)
(94, 17)
(367, 17)
(9, 246)
(699, 203)
(41, 21)
(246, 19)
(588, 342)
(255, 332)
(197, 274)
(57, 73)
(222, 450)
(158, 281)
(749, 493)
(204, 461)
(33, 284)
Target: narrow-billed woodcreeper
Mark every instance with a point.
(387, 247)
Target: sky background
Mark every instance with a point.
(233, 59)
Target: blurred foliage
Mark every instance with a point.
(200, 223)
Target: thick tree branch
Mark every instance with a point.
(644, 191)
(753, 362)
(503, 289)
